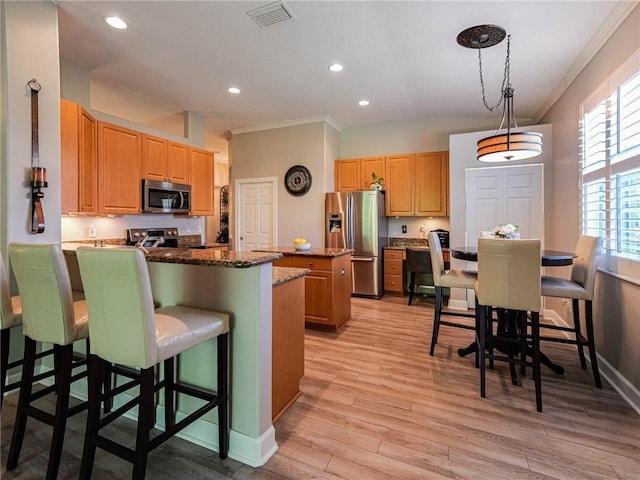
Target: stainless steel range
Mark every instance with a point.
(153, 237)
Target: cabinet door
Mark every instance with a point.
(119, 168)
(347, 175)
(178, 162)
(399, 185)
(201, 182)
(78, 166)
(318, 301)
(431, 184)
(154, 158)
(368, 167)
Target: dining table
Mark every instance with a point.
(507, 320)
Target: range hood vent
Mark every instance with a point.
(271, 14)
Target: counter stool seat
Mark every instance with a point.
(129, 333)
(49, 315)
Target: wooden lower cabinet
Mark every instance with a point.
(327, 289)
(393, 271)
(287, 344)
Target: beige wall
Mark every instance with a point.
(617, 306)
(270, 153)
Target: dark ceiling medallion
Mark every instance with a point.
(481, 36)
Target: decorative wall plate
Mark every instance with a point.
(297, 180)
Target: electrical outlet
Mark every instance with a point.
(188, 228)
(423, 228)
(92, 231)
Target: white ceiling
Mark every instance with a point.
(400, 55)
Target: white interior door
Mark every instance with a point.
(255, 217)
(497, 195)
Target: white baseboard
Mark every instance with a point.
(620, 384)
(457, 304)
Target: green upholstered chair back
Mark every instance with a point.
(45, 291)
(437, 259)
(8, 315)
(583, 271)
(509, 274)
(120, 304)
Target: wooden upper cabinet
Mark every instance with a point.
(347, 175)
(78, 150)
(417, 184)
(399, 181)
(178, 162)
(368, 166)
(119, 168)
(201, 182)
(164, 161)
(432, 184)
(355, 173)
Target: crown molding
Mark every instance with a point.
(289, 123)
(610, 25)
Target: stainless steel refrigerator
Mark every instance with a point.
(357, 220)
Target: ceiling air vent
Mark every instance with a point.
(271, 14)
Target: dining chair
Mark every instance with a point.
(418, 260)
(509, 280)
(129, 333)
(580, 286)
(49, 315)
(446, 279)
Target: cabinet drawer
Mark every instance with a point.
(393, 283)
(283, 262)
(395, 254)
(392, 267)
(312, 263)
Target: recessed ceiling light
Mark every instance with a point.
(116, 22)
(363, 103)
(336, 67)
(234, 90)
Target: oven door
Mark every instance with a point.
(165, 197)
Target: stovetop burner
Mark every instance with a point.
(153, 237)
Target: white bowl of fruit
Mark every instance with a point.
(301, 244)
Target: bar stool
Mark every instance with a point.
(446, 279)
(417, 261)
(49, 315)
(128, 332)
(581, 286)
(509, 279)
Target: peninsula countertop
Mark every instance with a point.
(282, 275)
(207, 257)
(313, 252)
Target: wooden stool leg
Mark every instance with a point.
(146, 416)
(64, 359)
(24, 400)
(412, 284)
(535, 340)
(436, 320)
(591, 342)
(482, 334)
(96, 368)
(169, 394)
(578, 333)
(223, 394)
(4, 361)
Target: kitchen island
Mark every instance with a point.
(241, 285)
(328, 285)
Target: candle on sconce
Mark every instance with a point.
(39, 176)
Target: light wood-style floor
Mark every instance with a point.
(375, 405)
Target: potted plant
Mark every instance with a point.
(376, 183)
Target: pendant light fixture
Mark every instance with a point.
(503, 146)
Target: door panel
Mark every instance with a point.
(256, 216)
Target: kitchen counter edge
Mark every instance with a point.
(205, 257)
(282, 275)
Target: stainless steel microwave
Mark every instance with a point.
(165, 197)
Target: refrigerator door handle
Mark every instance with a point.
(350, 221)
(362, 259)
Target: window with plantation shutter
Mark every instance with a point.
(610, 169)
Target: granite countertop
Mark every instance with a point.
(282, 275)
(186, 256)
(314, 252)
